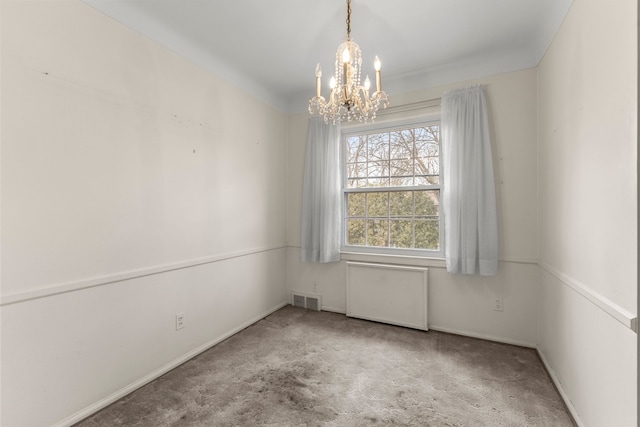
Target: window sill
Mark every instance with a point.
(407, 260)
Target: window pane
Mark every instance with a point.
(427, 180)
(377, 182)
(401, 147)
(356, 170)
(356, 183)
(402, 167)
(401, 204)
(401, 234)
(427, 165)
(421, 180)
(378, 233)
(427, 234)
(402, 181)
(378, 204)
(378, 169)
(428, 134)
(427, 148)
(433, 165)
(421, 134)
(427, 203)
(402, 137)
(356, 232)
(427, 152)
(356, 149)
(378, 146)
(356, 204)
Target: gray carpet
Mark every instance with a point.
(306, 368)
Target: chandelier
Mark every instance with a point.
(349, 98)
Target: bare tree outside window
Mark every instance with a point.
(392, 188)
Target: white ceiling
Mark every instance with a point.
(271, 47)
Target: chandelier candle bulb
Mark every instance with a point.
(346, 58)
(376, 65)
(345, 66)
(318, 83)
(367, 84)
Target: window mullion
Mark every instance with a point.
(389, 217)
(366, 219)
(413, 219)
(392, 189)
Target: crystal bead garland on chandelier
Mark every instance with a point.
(349, 98)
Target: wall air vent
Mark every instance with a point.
(308, 301)
(299, 301)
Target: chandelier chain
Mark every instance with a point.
(348, 19)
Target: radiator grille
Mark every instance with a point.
(388, 293)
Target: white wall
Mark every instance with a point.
(120, 167)
(458, 304)
(133, 188)
(588, 210)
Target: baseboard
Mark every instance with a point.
(457, 332)
(487, 337)
(101, 404)
(563, 394)
(334, 310)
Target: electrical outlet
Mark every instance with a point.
(315, 287)
(179, 321)
(497, 304)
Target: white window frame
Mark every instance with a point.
(387, 127)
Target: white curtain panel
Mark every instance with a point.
(321, 197)
(469, 199)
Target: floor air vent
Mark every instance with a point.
(309, 301)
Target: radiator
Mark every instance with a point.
(388, 293)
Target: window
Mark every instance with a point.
(392, 185)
